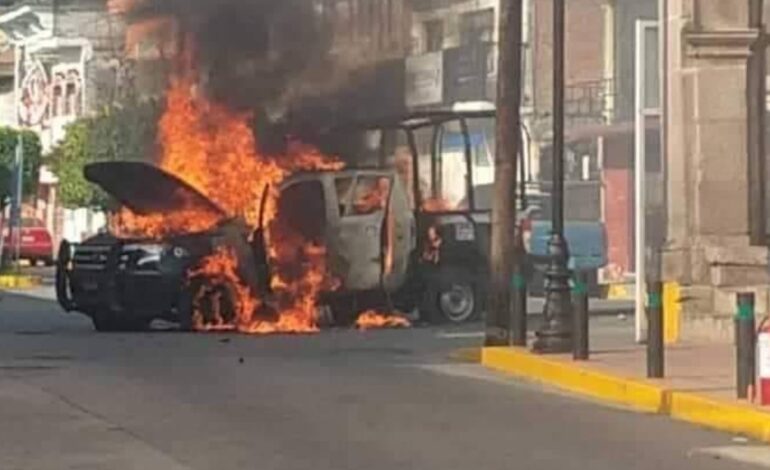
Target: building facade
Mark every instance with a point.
(62, 60)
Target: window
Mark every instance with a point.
(434, 35)
(302, 211)
(371, 195)
(343, 186)
(477, 26)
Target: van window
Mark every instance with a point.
(302, 210)
(343, 185)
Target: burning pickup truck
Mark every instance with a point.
(355, 230)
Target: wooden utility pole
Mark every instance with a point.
(502, 259)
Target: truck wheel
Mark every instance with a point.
(343, 310)
(217, 302)
(185, 310)
(452, 297)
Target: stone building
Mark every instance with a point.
(64, 60)
(709, 251)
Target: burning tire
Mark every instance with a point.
(214, 304)
(453, 296)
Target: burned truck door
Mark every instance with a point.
(363, 207)
(399, 238)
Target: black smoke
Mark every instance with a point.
(272, 58)
(250, 53)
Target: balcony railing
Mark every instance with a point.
(590, 101)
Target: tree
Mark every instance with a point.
(124, 132)
(32, 162)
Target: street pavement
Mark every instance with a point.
(74, 399)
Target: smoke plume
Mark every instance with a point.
(252, 54)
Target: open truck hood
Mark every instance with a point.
(147, 189)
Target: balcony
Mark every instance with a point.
(590, 102)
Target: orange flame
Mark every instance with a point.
(213, 149)
(373, 319)
(374, 198)
(221, 273)
(432, 249)
(437, 204)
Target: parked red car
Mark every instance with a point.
(36, 243)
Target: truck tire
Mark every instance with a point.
(217, 301)
(452, 296)
(185, 310)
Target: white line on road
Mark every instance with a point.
(460, 335)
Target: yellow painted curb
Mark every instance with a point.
(637, 394)
(722, 415)
(573, 378)
(11, 281)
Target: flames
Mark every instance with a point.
(213, 149)
(437, 204)
(223, 303)
(374, 319)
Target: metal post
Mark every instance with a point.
(655, 346)
(580, 349)
(640, 194)
(508, 127)
(556, 334)
(519, 307)
(745, 343)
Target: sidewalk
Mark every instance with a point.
(699, 386)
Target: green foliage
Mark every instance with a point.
(32, 161)
(119, 133)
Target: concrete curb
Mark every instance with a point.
(12, 281)
(468, 355)
(637, 394)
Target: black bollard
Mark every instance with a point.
(519, 313)
(745, 344)
(580, 317)
(655, 346)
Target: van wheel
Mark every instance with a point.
(451, 297)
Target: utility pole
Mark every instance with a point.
(756, 99)
(508, 128)
(17, 200)
(556, 334)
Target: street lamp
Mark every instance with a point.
(555, 336)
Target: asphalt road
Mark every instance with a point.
(74, 399)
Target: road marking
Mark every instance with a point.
(460, 335)
(752, 455)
